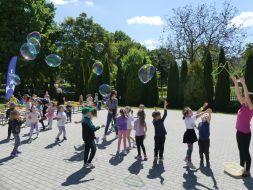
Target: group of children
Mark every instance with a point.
(124, 123)
(36, 111)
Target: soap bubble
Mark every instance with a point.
(146, 73)
(99, 47)
(36, 45)
(35, 35)
(53, 60)
(98, 68)
(27, 50)
(105, 90)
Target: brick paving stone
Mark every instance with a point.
(46, 165)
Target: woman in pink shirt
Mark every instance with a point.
(243, 134)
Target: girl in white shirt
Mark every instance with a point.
(190, 136)
(129, 115)
(33, 121)
(61, 119)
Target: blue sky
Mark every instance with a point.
(143, 20)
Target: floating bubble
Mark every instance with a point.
(27, 50)
(146, 73)
(36, 45)
(35, 35)
(99, 47)
(105, 90)
(53, 60)
(98, 68)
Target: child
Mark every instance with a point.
(121, 124)
(88, 134)
(61, 119)
(33, 121)
(28, 105)
(39, 107)
(204, 141)
(140, 128)
(69, 111)
(12, 107)
(129, 115)
(15, 123)
(160, 133)
(51, 114)
(141, 107)
(190, 136)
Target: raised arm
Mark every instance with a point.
(165, 110)
(202, 108)
(237, 90)
(246, 93)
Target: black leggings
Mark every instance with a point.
(90, 148)
(9, 130)
(139, 142)
(243, 142)
(159, 146)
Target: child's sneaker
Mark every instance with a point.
(65, 138)
(161, 159)
(85, 165)
(19, 152)
(90, 166)
(155, 160)
(13, 154)
(57, 139)
(29, 140)
(190, 165)
(145, 158)
(186, 159)
(208, 164)
(138, 157)
(125, 152)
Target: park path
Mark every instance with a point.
(45, 165)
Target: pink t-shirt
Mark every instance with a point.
(244, 116)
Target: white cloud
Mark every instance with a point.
(89, 3)
(152, 20)
(245, 19)
(151, 44)
(63, 2)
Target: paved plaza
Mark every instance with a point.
(46, 165)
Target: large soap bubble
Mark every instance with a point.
(36, 45)
(97, 68)
(99, 47)
(53, 60)
(146, 73)
(27, 51)
(35, 35)
(105, 90)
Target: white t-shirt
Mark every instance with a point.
(190, 121)
(61, 119)
(28, 106)
(129, 121)
(33, 117)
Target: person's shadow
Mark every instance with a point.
(156, 172)
(208, 172)
(4, 141)
(116, 159)
(105, 143)
(52, 145)
(78, 154)
(136, 167)
(248, 182)
(191, 180)
(77, 177)
(6, 159)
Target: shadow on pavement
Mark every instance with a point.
(136, 167)
(4, 141)
(116, 159)
(156, 172)
(248, 182)
(78, 154)
(6, 159)
(77, 177)
(52, 145)
(209, 173)
(191, 180)
(105, 143)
